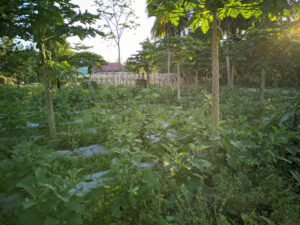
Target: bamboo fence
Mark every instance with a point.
(131, 79)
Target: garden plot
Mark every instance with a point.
(156, 138)
(92, 181)
(258, 90)
(8, 203)
(97, 180)
(78, 120)
(30, 124)
(88, 151)
(89, 130)
(34, 125)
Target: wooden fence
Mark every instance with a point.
(131, 79)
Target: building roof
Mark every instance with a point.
(112, 67)
(85, 69)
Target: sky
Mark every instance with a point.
(130, 40)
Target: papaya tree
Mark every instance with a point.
(18, 62)
(48, 20)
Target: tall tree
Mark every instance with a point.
(179, 48)
(88, 59)
(210, 12)
(22, 64)
(43, 21)
(118, 16)
(145, 59)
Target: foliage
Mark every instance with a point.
(159, 169)
(87, 59)
(144, 60)
(48, 21)
(268, 49)
(44, 197)
(18, 62)
(254, 180)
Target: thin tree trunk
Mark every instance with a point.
(49, 101)
(58, 83)
(90, 82)
(232, 75)
(148, 80)
(262, 85)
(228, 71)
(119, 55)
(169, 61)
(178, 81)
(197, 79)
(215, 77)
(228, 60)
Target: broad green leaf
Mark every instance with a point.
(267, 220)
(202, 165)
(28, 203)
(116, 209)
(204, 24)
(75, 207)
(28, 185)
(50, 221)
(169, 149)
(150, 178)
(40, 172)
(29, 217)
(296, 176)
(272, 17)
(74, 219)
(96, 193)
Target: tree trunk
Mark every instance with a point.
(148, 80)
(49, 101)
(228, 60)
(178, 81)
(232, 76)
(57, 83)
(119, 55)
(228, 71)
(262, 85)
(215, 77)
(197, 79)
(169, 61)
(90, 82)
